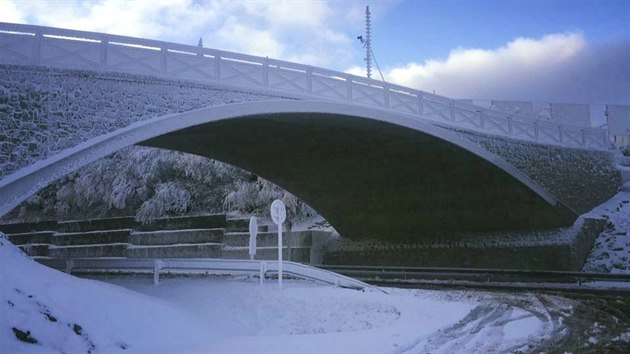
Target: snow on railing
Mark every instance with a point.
(209, 266)
(61, 48)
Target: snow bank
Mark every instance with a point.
(54, 312)
(43, 310)
(611, 252)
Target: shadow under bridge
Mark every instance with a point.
(373, 174)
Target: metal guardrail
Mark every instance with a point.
(210, 266)
(69, 49)
(513, 279)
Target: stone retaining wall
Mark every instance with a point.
(44, 111)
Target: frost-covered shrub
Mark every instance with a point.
(150, 183)
(169, 198)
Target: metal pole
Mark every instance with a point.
(280, 256)
(368, 42)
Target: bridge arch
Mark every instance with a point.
(429, 181)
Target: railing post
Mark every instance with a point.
(309, 80)
(536, 134)
(69, 266)
(157, 265)
(164, 52)
(217, 67)
(452, 111)
(420, 103)
(583, 137)
(262, 271)
(386, 95)
(37, 47)
(349, 88)
(265, 78)
(482, 120)
(104, 47)
(510, 127)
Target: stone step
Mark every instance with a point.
(241, 224)
(91, 237)
(625, 174)
(268, 239)
(17, 228)
(88, 251)
(105, 224)
(31, 237)
(302, 255)
(170, 237)
(36, 250)
(626, 187)
(214, 221)
(208, 250)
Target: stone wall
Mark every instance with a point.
(554, 249)
(581, 179)
(44, 111)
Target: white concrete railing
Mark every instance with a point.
(60, 48)
(195, 266)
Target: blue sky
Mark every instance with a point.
(421, 30)
(561, 51)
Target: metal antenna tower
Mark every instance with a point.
(368, 42)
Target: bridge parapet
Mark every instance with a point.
(60, 48)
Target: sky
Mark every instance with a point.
(569, 51)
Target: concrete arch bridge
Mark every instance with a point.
(376, 159)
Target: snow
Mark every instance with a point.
(611, 252)
(235, 314)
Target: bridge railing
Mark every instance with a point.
(60, 48)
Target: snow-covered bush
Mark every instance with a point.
(150, 183)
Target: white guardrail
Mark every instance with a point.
(204, 266)
(69, 49)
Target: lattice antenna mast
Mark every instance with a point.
(368, 42)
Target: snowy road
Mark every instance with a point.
(43, 311)
(308, 317)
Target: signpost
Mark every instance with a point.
(253, 232)
(278, 215)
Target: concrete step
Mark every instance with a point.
(269, 253)
(31, 237)
(37, 250)
(268, 239)
(214, 221)
(105, 224)
(91, 237)
(626, 187)
(170, 237)
(625, 174)
(17, 228)
(241, 224)
(208, 250)
(88, 251)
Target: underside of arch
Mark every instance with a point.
(373, 179)
(372, 174)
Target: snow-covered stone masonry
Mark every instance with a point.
(581, 179)
(44, 111)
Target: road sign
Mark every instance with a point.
(253, 232)
(278, 212)
(278, 215)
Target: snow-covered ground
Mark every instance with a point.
(611, 251)
(43, 310)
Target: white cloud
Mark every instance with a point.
(313, 32)
(557, 67)
(9, 13)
